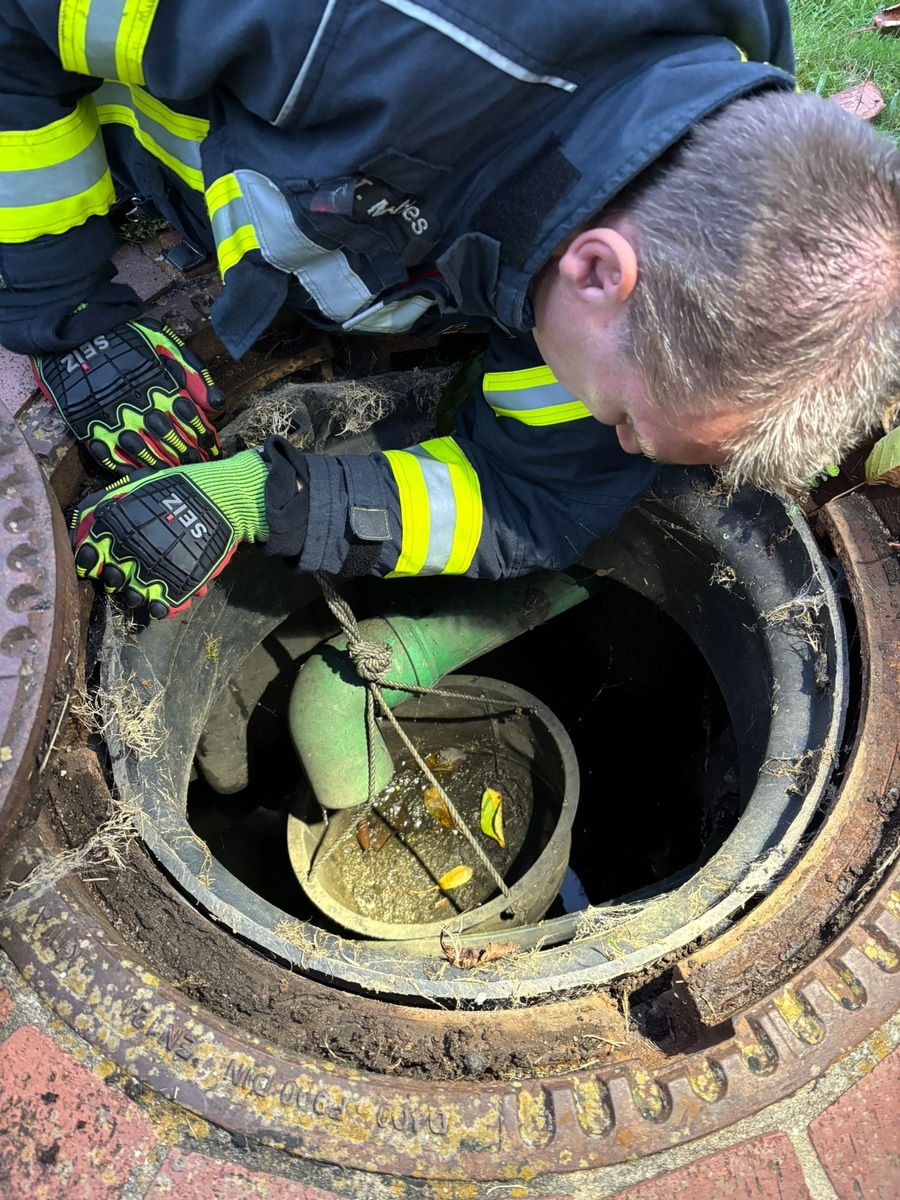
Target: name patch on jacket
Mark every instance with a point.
(370, 201)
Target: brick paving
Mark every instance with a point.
(763, 1168)
(64, 1132)
(858, 1137)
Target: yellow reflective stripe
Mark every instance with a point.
(516, 381)
(71, 28)
(469, 508)
(105, 38)
(225, 189)
(62, 167)
(528, 409)
(118, 114)
(236, 246)
(137, 18)
(171, 126)
(24, 224)
(556, 414)
(441, 510)
(29, 149)
(232, 229)
(415, 513)
(182, 125)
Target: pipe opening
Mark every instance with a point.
(655, 749)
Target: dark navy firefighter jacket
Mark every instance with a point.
(385, 166)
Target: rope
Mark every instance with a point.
(372, 661)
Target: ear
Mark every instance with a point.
(601, 266)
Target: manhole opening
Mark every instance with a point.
(656, 750)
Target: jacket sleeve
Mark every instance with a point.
(55, 189)
(528, 481)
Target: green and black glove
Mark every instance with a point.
(159, 537)
(136, 396)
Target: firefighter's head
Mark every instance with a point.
(741, 304)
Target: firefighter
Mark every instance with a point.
(681, 260)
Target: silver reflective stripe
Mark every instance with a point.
(482, 49)
(45, 185)
(393, 316)
(288, 107)
(229, 218)
(326, 274)
(442, 510)
(101, 32)
(185, 150)
(544, 395)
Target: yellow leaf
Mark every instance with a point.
(437, 809)
(492, 815)
(455, 878)
(883, 464)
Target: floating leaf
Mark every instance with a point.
(468, 957)
(363, 834)
(455, 878)
(492, 815)
(883, 464)
(437, 809)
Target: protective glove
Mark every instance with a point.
(136, 397)
(159, 537)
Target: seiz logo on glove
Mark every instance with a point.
(177, 508)
(157, 538)
(136, 396)
(77, 360)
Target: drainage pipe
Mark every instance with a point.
(452, 623)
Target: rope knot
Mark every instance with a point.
(371, 659)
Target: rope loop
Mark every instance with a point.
(371, 659)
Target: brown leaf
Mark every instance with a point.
(437, 809)
(891, 477)
(363, 836)
(888, 20)
(864, 101)
(469, 957)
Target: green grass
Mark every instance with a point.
(830, 57)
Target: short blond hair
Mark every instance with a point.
(769, 277)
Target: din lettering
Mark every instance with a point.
(407, 1120)
(248, 1078)
(324, 1102)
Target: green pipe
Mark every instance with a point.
(453, 622)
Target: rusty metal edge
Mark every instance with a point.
(749, 959)
(37, 634)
